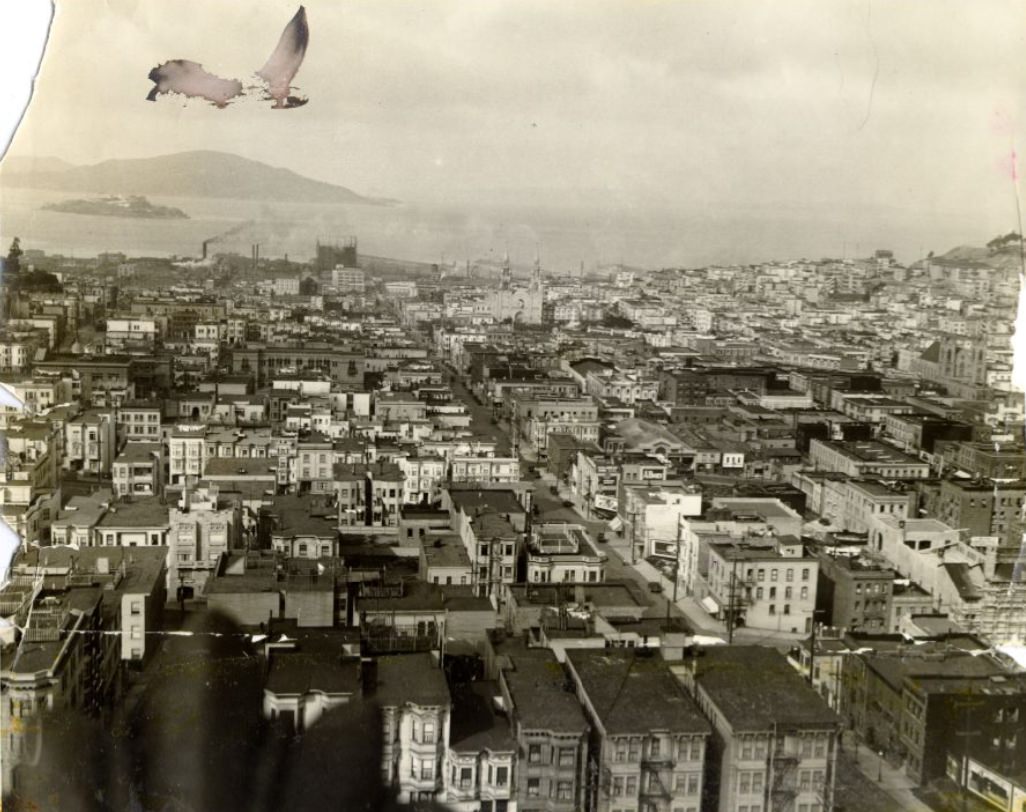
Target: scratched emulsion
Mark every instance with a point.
(191, 79)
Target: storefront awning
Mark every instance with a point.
(710, 605)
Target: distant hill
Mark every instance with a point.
(183, 174)
(24, 164)
(1001, 252)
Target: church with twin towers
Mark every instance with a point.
(519, 304)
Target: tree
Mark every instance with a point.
(13, 264)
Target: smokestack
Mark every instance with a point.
(205, 248)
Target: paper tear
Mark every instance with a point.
(29, 26)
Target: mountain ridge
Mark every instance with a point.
(194, 173)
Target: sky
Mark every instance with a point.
(859, 108)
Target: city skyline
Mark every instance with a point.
(744, 106)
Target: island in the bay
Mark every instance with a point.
(118, 206)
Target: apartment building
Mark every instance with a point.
(368, 494)
(485, 469)
(314, 463)
(416, 708)
(854, 592)
(303, 526)
(139, 469)
(563, 553)
(89, 442)
(861, 458)
(550, 730)
(761, 583)
(775, 742)
(204, 527)
(537, 418)
(139, 420)
(984, 508)
(481, 760)
(653, 514)
(648, 738)
(187, 454)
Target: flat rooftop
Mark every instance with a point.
(756, 688)
(633, 692)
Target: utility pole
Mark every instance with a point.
(676, 574)
(812, 650)
(634, 546)
(730, 599)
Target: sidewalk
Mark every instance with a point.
(885, 775)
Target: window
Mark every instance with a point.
(621, 751)
(787, 608)
(653, 748)
(632, 785)
(758, 592)
(501, 776)
(805, 748)
(695, 751)
(820, 746)
(534, 753)
(136, 607)
(762, 574)
(633, 750)
(789, 574)
(746, 748)
(787, 591)
(773, 574)
(757, 782)
(466, 776)
(693, 782)
(744, 783)
(566, 757)
(302, 548)
(428, 733)
(533, 787)
(773, 592)
(427, 770)
(565, 790)
(772, 609)
(617, 786)
(805, 574)
(805, 593)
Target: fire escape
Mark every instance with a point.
(783, 783)
(655, 767)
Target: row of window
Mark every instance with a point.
(563, 756)
(788, 593)
(464, 777)
(560, 790)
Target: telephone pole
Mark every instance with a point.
(676, 573)
(730, 599)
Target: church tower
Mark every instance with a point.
(507, 274)
(536, 274)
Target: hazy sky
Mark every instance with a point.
(863, 106)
